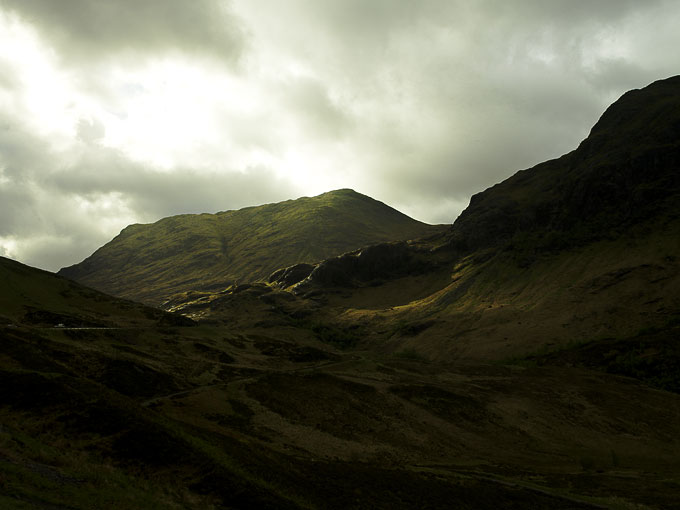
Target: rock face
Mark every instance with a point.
(366, 266)
(291, 275)
(625, 175)
(626, 171)
(149, 263)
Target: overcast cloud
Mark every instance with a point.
(121, 111)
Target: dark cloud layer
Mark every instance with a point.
(89, 30)
(454, 96)
(152, 194)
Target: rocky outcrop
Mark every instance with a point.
(367, 266)
(206, 252)
(291, 275)
(626, 171)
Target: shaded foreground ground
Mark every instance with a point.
(198, 418)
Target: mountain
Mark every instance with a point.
(578, 249)
(624, 173)
(149, 263)
(573, 250)
(33, 297)
(524, 357)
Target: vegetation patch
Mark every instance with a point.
(339, 407)
(290, 351)
(411, 328)
(449, 406)
(341, 337)
(212, 353)
(134, 379)
(652, 356)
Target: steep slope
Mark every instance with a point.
(33, 297)
(579, 248)
(149, 263)
(365, 381)
(624, 173)
(142, 416)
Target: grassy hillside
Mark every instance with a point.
(531, 366)
(149, 263)
(476, 307)
(293, 416)
(579, 249)
(30, 296)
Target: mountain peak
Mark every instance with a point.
(212, 251)
(342, 192)
(650, 115)
(624, 172)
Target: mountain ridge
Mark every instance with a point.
(152, 262)
(576, 248)
(533, 366)
(608, 182)
(34, 297)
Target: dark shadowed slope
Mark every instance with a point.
(583, 247)
(386, 379)
(208, 417)
(627, 171)
(203, 251)
(33, 297)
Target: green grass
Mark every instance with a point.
(212, 251)
(337, 336)
(651, 356)
(41, 468)
(409, 354)
(40, 298)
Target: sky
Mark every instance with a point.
(115, 112)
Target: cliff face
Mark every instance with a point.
(367, 266)
(580, 248)
(626, 171)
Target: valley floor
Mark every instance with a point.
(108, 419)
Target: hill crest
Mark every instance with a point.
(205, 251)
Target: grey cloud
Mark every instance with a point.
(362, 22)
(17, 209)
(617, 74)
(40, 195)
(20, 151)
(380, 22)
(87, 30)
(318, 114)
(90, 130)
(53, 252)
(466, 94)
(29, 210)
(429, 101)
(562, 12)
(152, 194)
